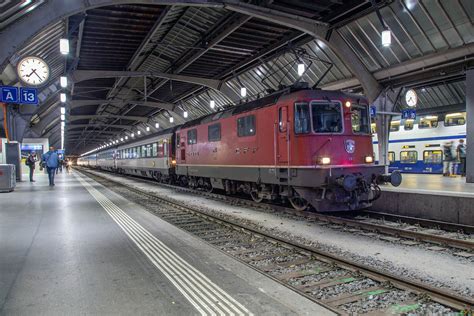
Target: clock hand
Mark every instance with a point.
(37, 75)
(33, 71)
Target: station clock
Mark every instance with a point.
(33, 71)
(411, 98)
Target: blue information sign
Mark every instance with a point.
(10, 94)
(21, 95)
(28, 96)
(373, 111)
(409, 114)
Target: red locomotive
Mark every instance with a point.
(310, 147)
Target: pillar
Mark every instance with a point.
(470, 126)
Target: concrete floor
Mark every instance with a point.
(433, 184)
(64, 251)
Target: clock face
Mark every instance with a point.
(33, 71)
(411, 98)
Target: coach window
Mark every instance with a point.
(246, 126)
(391, 156)
(395, 126)
(302, 120)
(408, 124)
(429, 121)
(455, 119)
(409, 156)
(214, 132)
(433, 156)
(192, 136)
(360, 119)
(143, 153)
(327, 117)
(136, 152)
(155, 149)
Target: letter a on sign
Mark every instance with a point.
(9, 96)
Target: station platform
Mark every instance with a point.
(79, 248)
(448, 199)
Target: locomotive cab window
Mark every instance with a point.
(428, 122)
(282, 118)
(455, 119)
(214, 132)
(302, 118)
(409, 156)
(433, 156)
(327, 117)
(246, 126)
(192, 136)
(360, 119)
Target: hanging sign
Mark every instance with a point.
(409, 114)
(18, 95)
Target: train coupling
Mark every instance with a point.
(394, 178)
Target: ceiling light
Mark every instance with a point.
(126, 137)
(63, 81)
(133, 135)
(63, 110)
(301, 69)
(139, 132)
(212, 103)
(62, 97)
(171, 119)
(148, 128)
(63, 117)
(63, 124)
(185, 114)
(386, 38)
(157, 125)
(121, 139)
(64, 46)
(243, 92)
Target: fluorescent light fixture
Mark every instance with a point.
(63, 124)
(139, 132)
(133, 135)
(126, 137)
(157, 125)
(63, 117)
(171, 119)
(386, 38)
(64, 46)
(185, 114)
(301, 69)
(63, 81)
(121, 139)
(148, 128)
(243, 92)
(62, 97)
(63, 110)
(212, 103)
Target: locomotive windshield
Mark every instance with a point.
(360, 119)
(326, 117)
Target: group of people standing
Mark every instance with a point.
(51, 161)
(452, 156)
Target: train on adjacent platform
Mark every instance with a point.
(309, 147)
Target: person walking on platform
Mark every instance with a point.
(461, 151)
(51, 161)
(30, 162)
(448, 159)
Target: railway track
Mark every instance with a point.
(339, 284)
(422, 232)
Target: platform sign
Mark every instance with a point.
(28, 96)
(373, 111)
(19, 95)
(409, 114)
(9, 94)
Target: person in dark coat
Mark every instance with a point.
(31, 163)
(51, 162)
(461, 150)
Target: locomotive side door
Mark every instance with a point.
(181, 141)
(282, 135)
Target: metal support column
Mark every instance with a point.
(470, 126)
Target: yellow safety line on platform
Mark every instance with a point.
(201, 292)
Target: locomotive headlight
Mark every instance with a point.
(173, 162)
(348, 104)
(324, 160)
(369, 159)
